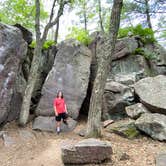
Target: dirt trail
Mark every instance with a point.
(31, 148)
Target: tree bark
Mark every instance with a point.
(57, 32)
(85, 15)
(106, 50)
(33, 75)
(148, 14)
(100, 16)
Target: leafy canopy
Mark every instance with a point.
(20, 11)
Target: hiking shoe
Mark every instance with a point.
(58, 132)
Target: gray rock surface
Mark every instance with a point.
(48, 124)
(70, 73)
(125, 129)
(161, 159)
(152, 93)
(153, 125)
(135, 111)
(88, 151)
(12, 51)
(116, 97)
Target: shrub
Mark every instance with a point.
(47, 44)
(146, 34)
(79, 34)
(146, 53)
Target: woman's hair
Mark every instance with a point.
(58, 94)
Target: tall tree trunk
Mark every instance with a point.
(100, 16)
(148, 14)
(57, 32)
(85, 15)
(106, 50)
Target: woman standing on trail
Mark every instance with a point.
(60, 110)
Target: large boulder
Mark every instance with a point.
(43, 123)
(135, 111)
(70, 73)
(152, 93)
(153, 125)
(116, 97)
(88, 151)
(12, 51)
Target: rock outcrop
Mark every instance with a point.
(152, 93)
(88, 151)
(70, 73)
(116, 97)
(13, 49)
(153, 125)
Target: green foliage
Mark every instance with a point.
(80, 35)
(47, 44)
(146, 53)
(20, 11)
(146, 34)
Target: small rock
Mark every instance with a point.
(135, 111)
(8, 141)
(88, 151)
(82, 132)
(123, 156)
(26, 134)
(161, 160)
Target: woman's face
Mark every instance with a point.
(60, 94)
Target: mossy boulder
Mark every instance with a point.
(125, 129)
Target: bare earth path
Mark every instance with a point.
(26, 147)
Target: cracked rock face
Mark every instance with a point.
(12, 50)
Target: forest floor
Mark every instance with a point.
(26, 147)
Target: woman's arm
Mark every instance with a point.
(55, 111)
(66, 109)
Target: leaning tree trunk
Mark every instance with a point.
(57, 32)
(24, 114)
(106, 50)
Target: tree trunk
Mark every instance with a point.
(85, 15)
(148, 14)
(24, 114)
(106, 50)
(57, 31)
(100, 16)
